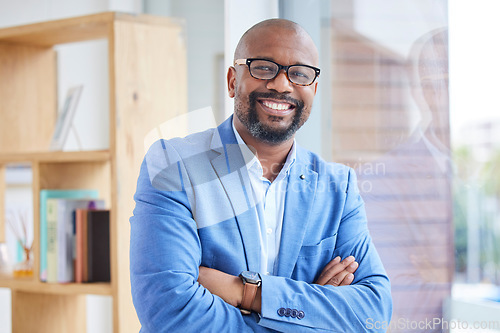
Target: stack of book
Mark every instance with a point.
(74, 237)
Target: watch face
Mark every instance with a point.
(251, 277)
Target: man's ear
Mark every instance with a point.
(231, 81)
(315, 87)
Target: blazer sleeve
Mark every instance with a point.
(165, 253)
(363, 306)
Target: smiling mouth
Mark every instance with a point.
(277, 108)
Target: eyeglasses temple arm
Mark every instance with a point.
(240, 62)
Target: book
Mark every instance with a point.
(66, 234)
(81, 272)
(81, 259)
(60, 249)
(98, 246)
(44, 196)
(51, 252)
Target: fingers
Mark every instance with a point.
(332, 263)
(352, 267)
(344, 278)
(347, 274)
(338, 272)
(347, 280)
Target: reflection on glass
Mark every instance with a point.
(390, 113)
(409, 203)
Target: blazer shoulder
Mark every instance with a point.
(193, 143)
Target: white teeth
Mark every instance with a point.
(276, 106)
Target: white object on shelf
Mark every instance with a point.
(65, 119)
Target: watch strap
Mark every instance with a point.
(249, 292)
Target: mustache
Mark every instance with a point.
(254, 95)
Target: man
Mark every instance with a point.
(238, 229)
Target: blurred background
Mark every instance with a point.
(408, 96)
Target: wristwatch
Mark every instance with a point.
(251, 282)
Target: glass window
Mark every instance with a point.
(408, 99)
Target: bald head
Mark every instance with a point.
(278, 27)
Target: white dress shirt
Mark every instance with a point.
(270, 199)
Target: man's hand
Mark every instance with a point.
(338, 273)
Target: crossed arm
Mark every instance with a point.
(230, 288)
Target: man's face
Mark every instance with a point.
(273, 110)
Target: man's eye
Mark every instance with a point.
(263, 68)
(299, 74)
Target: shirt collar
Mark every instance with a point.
(252, 162)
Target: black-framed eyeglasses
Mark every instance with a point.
(263, 69)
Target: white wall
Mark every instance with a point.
(204, 22)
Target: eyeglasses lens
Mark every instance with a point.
(267, 70)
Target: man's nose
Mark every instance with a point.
(280, 83)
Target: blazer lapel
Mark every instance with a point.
(231, 170)
(301, 191)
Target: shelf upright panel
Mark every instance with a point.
(148, 86)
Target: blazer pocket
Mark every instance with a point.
(312, 259)
(327, 244)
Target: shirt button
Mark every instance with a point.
(269, 231)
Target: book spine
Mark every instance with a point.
(90, 256)
(64, 245)
(79, 260)
(52, 245)
(85, 251)
(98, 246)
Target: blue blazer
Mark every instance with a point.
(194, 207)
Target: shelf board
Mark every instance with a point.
(56, 156)
(75, 29)
(30, 285)
(59, 31)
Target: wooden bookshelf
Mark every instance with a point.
(147, 86)
(55, 156)
(35, 286)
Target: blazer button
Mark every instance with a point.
(281, 312)
(295, 313)
(301, 314)
(288, 312)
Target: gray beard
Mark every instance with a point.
(265, 133)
